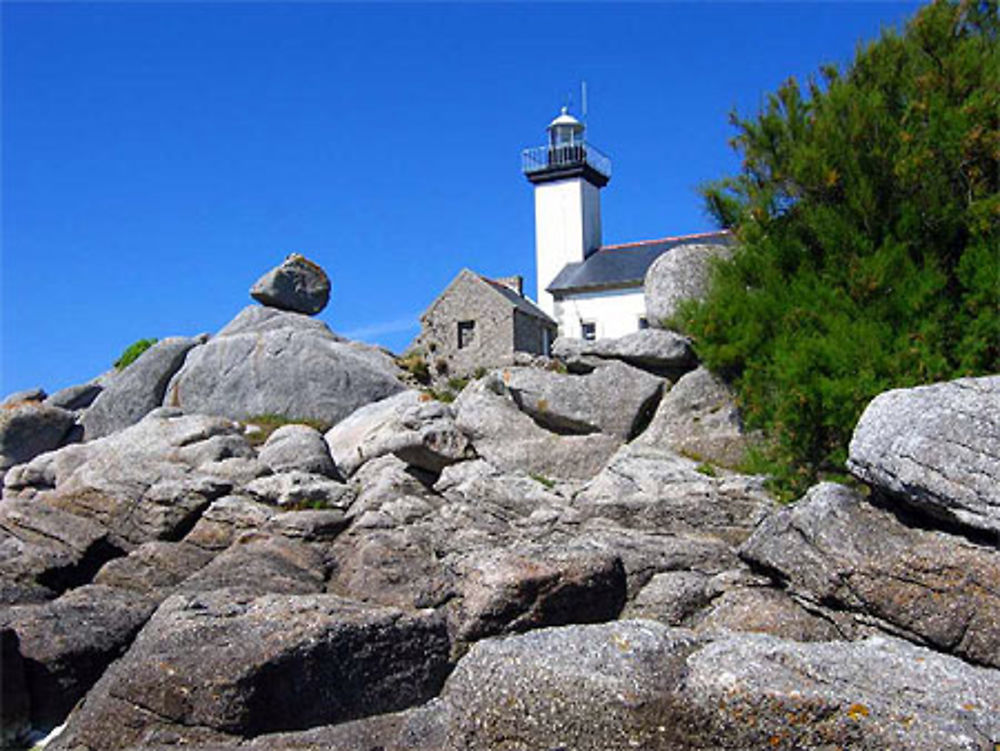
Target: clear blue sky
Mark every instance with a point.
(158, 157)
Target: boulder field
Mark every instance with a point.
(555, 560)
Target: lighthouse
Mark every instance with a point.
(568, 174)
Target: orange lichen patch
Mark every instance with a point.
(22, 403)
(425, 397)
(506, 376)
(775, 740)
(857, 711)
(969, 706)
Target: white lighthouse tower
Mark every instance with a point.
(568, 174)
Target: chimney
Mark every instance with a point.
(515, 283)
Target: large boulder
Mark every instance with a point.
(638, 684)
(834, 549)
(67, 643)
(665, 353)
(682, 274)
(267, 361)
(299, 448)
(615, 398)
(28, 429)
(416, 428)
(75, 397)
(298, 285)
(935, 448)
(138, 388)
(246, 666)
(528, 587)
(510, 440)
(698, 418)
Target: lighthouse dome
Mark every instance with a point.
(566, 121)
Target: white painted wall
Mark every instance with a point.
(616, 312)
(567, 228)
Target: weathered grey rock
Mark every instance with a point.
(141, 483)
(302, 490)
(385, 479)
(15, 710)
(226, 519)
(67, 643)
(936, 448)
(511, 441)
(874, 694)
(698, 418)
(665, 353)
(479, 482)
(138, 388)
(616, 399)
(297, 284)
(681, 274)
(44, 551)
(586, 688)
(418, 429)
(671, 598)
(638, 684)
(259, 564)
(29, 429)
(74, 397)
(297, 447)
(153, 569)
(834, 549)
(309, 525)
(26, 395)
(651, 488)
(271, 362)
(248, 666)
(767, 611)
(527, 587)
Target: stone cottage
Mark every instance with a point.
(480, 322)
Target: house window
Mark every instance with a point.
(466, 333)
(588, 330)
(643, 323)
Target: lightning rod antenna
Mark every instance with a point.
(583, 100)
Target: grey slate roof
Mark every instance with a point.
(521, 303)
(613, 266)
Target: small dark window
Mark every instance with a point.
(466, 333)
(643, 323)
(588, 329)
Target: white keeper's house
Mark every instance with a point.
(591, 290)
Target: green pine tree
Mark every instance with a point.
(867, 212)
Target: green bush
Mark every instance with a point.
(867, 214)
(132, 352)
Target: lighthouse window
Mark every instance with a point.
(588, 330)
(466, 333)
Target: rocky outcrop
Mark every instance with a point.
(267, 361)
(138, 389)
(698, 418)
(244, 666)
(835, 550)
(664, 353)
(28, 429)
(298, 285)
(412, 425)
(682, 274)
(615, 398)
(935, 448)
(512, 441)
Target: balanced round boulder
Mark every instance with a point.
(298, 285)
